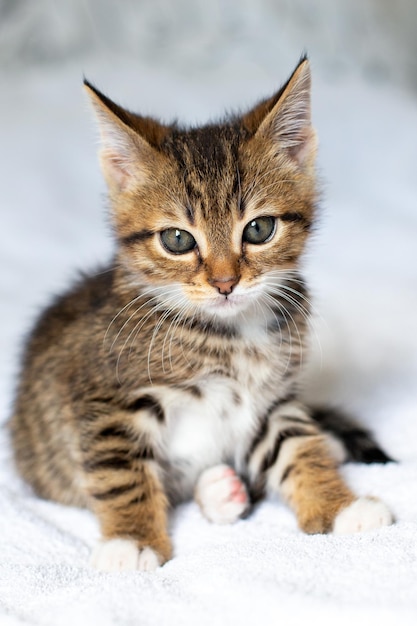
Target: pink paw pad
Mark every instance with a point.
(221, 494)
(237, 488)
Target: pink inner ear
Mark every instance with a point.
(305, 148)
(116, 169)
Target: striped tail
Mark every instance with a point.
(358, 442)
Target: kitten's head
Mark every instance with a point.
(211, 218)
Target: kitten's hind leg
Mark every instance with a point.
(221, 495)
(294, 458)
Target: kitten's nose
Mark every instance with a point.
(224, 285)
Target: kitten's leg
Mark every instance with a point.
(127, 496)
(132, 511)
(221, 495)
(293, 457)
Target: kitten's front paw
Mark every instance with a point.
(361, 515)
(124, 555)
(221, 494)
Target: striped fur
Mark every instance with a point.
(144, 377)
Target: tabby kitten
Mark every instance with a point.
(176, 370)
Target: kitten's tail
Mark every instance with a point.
(358, 442)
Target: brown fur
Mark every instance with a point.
(108, 360)
(314, 488)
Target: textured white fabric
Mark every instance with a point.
(259, 568)
(364, 274)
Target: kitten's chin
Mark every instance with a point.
(227, 307)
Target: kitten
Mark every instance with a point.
(176, 370)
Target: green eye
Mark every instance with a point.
(177, 241)
(259, 230)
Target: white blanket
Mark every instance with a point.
(363, 269)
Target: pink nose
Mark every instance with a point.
(224, 285)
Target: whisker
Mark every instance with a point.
(127, 306)
(184, 317)
(289, 298)
(176, 298)
(267, 297)
(147, 291)
(300, 342)
(170, 334)
(135, 312)
(303, 297)
(258, 306)
(101, 273)
(186, 307)
(280, 290)
(138, 326)
(156, 329)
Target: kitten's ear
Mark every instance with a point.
(285, 119)
(126, 156)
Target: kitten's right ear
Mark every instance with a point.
(126, 157)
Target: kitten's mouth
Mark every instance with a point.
(228, 305)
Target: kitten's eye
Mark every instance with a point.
(260, 230)
(177, 241)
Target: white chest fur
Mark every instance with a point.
(206, 430)
(214, 419)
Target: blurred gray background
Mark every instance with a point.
(377, 38)
(191, 60)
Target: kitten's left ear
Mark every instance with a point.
(286, 118)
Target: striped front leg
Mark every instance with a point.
(125, 493)
(290, 455)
